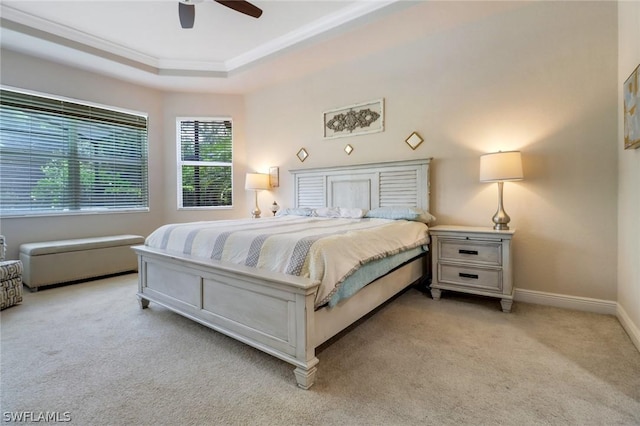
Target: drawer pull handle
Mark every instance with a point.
(463, 275)
(475, 252)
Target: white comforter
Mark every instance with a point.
(327, 250)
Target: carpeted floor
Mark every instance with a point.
(89, 353)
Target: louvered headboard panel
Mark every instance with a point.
(396, 183)
(310, 191)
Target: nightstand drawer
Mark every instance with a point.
(475, 260)
(480, 278)
(486, 253)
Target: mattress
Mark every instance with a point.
(326, 249)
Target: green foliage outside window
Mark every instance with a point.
(206, 163)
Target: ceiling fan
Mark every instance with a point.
(187, 10)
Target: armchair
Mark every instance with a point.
(10, 279)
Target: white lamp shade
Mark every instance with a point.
(501, 166)
(256, 181)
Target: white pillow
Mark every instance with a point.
(406, 213)
(344, 212)
(326, 212)
(352, 213)
(300, 211)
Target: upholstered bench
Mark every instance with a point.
(10, 283)
(55, 262)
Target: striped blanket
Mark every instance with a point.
(327, 250)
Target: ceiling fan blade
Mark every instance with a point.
(187, 14)
(242, 7)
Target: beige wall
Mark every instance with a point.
(541, 78)
(629, 179)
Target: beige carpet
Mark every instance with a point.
(89, 351)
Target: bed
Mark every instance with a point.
(279, 313)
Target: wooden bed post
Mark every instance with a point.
(144, 303)
(305, 349)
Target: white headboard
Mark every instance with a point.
(394, 183)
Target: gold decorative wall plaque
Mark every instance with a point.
(358, 119)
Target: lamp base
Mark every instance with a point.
(501, 218)
(501, 227)
(255, 213)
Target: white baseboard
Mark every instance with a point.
(608, 307)
(628, 325)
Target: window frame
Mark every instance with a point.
(96, 210)
(180, 163)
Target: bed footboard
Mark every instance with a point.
(269, 311)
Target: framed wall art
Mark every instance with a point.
(302, 154)
(274, 176)
(414, 140)
(631, 113)
(352, 120)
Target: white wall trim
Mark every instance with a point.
(628, 325)
(599, 306)
(41, 27)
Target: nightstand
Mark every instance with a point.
(473, 260)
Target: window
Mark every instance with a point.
(205, 168)
(59, 156)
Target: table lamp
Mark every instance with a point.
(501, 167)
(256, 182)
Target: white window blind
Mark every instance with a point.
(58, 156)
(205, 162)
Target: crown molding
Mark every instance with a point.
(54, 32)
(30, 25)
(308, 31)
